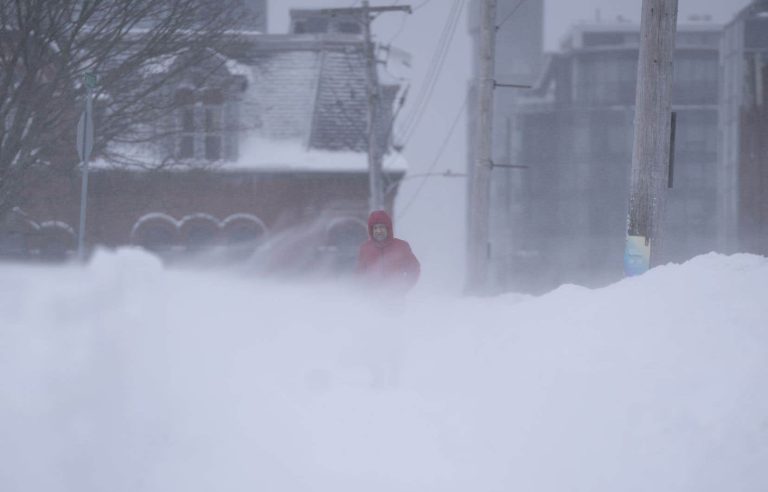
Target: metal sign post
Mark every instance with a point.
(84, 148)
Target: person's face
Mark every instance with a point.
(379, 232)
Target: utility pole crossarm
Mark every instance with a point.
(513, 86)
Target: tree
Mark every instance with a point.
(136, 48)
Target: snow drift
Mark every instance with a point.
(123, 376)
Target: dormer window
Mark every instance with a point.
(200, 124)
(185, 101)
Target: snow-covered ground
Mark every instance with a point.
(122, 376)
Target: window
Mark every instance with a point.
(213, 103)
(695, 79)
(186, 111)
(611, 135)
(607, 80)
(696, 134)
(603, 38)
(343, 243)
(756, 33)
(349, 28)
(311, 25)
(201, 124)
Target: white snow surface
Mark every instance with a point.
(125, 376)
(261, 154)
(271, 155)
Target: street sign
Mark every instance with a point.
(85, 135)
(89, 79)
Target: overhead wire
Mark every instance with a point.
(422, 4)
(435, 57)
(407, 129)
(432, 71)
(452, 128)
(400, 29)
(519, 4)
(437, 158)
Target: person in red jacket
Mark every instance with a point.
(384, 259)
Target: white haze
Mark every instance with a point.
(431, 213)
(125, 376)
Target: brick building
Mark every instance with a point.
(269, 153)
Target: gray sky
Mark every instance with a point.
(435, 221)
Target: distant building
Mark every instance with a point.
(519, 60)
(563, 219)
(310, 21)
(743, 178)
(268, 146)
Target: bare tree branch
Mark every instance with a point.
(139, 49)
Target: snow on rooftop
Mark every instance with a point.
(292, 155)
(263, 155)
(236, 68)
(124, 376)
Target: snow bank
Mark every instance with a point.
(124, 376)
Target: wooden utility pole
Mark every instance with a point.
(651, 149)
(375, 148)
(480, 188)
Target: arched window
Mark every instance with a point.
(242, 234)
(344, 238)
(199, 232)
(55, 241)
(17, 233)
(156, 232)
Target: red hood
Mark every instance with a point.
(380, 217)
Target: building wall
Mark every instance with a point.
(743, 192)
(272, 104)
(567, 218)
(299, 210)
(519, 58)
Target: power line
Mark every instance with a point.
(422, 4)
(519, 4)
(434, 70)
(411, 116)
(440, 152)
(399, 30)
(436, 66)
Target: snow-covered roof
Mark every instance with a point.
(304, 106)
(311, 88)
(275, 156)
(292, 156)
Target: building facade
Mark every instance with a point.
(562, 219)
(266, 151)
(743, 171)
(519, 61)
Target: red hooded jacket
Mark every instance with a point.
(389, 261)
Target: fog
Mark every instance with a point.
(126, 375)
(250, 353)
(435, 219)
